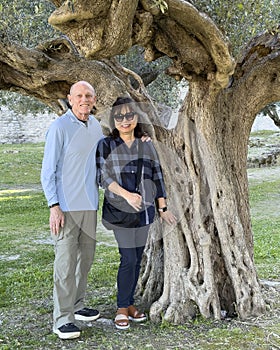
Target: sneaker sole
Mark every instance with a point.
(69, 335)
(86, 318)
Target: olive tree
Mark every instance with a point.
(205, 263)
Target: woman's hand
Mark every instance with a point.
(168, 217)
(134, 200)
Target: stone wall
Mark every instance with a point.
(15, 128)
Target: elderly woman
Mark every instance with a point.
(118, 163)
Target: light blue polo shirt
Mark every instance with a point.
(68, 174)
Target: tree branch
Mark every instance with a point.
(258, 67)
(98, 29)
(198, 45)
(190, 38)
(47, 73)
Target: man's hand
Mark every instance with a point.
(56, 219)
(146, 138)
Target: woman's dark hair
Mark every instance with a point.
(116, 108)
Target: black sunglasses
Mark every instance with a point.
(120, 117)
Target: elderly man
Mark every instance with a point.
(68, 178)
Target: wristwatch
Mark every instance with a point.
(53, 205)
(162, 209)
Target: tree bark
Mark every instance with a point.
(208, 259)
(205, 263)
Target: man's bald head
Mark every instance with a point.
(82, 99)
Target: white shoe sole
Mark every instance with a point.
(140, 319)
(86, 318)
(67, 335)
(122, 327)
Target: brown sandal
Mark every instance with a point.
(121, 319)
(135, 315)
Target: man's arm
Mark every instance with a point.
(52, 154)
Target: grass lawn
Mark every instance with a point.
(26, 259)
(264, 187)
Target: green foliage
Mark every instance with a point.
(162, 88)
(26, 22)
(240, 20)
(22, 104)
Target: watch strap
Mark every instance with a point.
(54, 205)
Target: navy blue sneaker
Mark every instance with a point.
(68, 331)
(87, 314)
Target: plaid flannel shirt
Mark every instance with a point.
(118, 162)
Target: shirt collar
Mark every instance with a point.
(120, 141)
(74, 119)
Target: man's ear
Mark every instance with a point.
(69, 100)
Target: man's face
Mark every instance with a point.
(82, 99)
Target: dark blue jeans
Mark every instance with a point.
(131, 244)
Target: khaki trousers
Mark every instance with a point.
(74, 253)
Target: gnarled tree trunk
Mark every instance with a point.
(208, 261)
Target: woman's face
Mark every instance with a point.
(125, 120)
